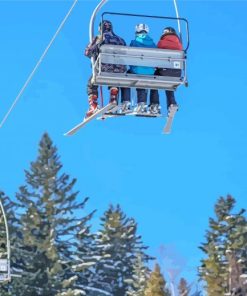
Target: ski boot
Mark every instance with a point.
(154, 109)
(113, 100)
(93, 105)
(141, 108)
(125, 107)
(113, 95)
(172, 109)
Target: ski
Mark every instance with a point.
(169, 120)
(85, 121)
(109, 113)
(150, 115)
(114, 113)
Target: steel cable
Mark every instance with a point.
(38, 64)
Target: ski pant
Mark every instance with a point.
(170, 97)
(92, 89)
(141, 95)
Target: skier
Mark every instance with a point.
(142, 39)
(168, 40)
(106, 36)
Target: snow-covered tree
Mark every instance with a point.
(117, 245)
(84, 256)
(50, 219)
(137, 282)
(225, 245)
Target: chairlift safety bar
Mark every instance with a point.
(153, 16)
(150, 58)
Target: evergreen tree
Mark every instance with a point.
(183, 287)
(137, 283)
(227, 234)
(84, 256)
(237, 276)
(156, 284)
(49, 224)
(118, 245)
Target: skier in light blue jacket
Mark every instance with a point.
(142, 39)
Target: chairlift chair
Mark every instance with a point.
(136, 56)
(5, 275)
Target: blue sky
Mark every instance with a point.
(168, 183)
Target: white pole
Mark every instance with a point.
(91, 24)
(176, 9)
(7, 238)
(91, 28)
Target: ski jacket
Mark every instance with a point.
(170, 41)
(108, 37)
(142, 40)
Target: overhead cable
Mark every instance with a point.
(37, 65)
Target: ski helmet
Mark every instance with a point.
(169, 30)
(141, 28)
(105, 26)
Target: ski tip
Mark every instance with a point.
(101, 118)
(67, 134)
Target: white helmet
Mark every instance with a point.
(141, 27)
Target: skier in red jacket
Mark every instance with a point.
(168, 40)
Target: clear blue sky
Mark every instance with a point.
(169, 184)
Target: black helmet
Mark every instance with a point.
(169, 30)
(105, 26)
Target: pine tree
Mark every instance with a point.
(236, 252)
(84, 256)
(227, 233)
(183, 287)
(9, 209)
(156, 284)
(118, 245)
(237, 274)
(49, 223)
(137, 283)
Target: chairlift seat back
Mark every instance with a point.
(136, 56)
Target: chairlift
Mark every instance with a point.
(124, 55)
(137, 56)
(5, 275)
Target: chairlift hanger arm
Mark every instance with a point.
(152, 16)
(91, 24)
(91, 27)
(7, 240)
